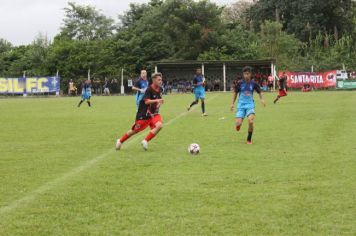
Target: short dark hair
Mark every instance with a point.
(155, 75)
(247, 69)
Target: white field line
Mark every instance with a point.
(76, 171)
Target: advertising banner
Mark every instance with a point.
(346, 84)
(325, 79)
(30, 85)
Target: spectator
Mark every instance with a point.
(97, 86)
(169, 88)
(264, 85)
(306, 88)
(216, 85)
(188, 87)
(72, 89)
(114, 86)
(106, 87)
(270, 83)
(258, 76)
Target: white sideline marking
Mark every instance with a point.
(49, 185)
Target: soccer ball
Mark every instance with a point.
(194, 149)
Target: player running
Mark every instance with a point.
(140, 86)
(86, 93)
(199, 91)
(147, 114)
(246, 104)
(282, 87)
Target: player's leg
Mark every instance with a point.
(240, 115)
(203, 106)
(80, 103)
(156, 125)
(202, 99)
(250, 119)
(136, 128)
(195, 102)
(238, 123)
(276, 100)
(154, 131)
(281, 93)
(88, 101)
(84, 97)
(127, 135)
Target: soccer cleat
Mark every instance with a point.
(249, 142)
(188, 108)
(204, 114)
(144, 144)
(118, 145)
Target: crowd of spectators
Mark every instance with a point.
(112, 86)
(99, 86)
(186, 86)
(265, 80)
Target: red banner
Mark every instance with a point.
(314, 79)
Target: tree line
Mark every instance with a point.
(298, 34)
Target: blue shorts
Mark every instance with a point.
(199, 93)
(86, 96)
(245, 110)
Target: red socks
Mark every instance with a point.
(150, 136)
(124, 138)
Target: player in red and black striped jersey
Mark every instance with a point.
(282, 87)
(147, 114)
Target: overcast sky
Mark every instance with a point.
(22, 20)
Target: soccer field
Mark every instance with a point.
(60, 174)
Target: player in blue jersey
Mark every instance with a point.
(246, 105)
(199, 91)
(86, 93)
(140, 87)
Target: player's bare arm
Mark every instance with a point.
(136, 89)
(234, 97)
(152, 101)
(262, 99)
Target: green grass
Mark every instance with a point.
(59, 174)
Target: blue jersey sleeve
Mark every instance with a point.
(195, 81)
(238, 87)
(257, 88)
(138, 84)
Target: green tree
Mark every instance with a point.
(235, 44)
(275, 43)
(5, 48)
(188, 29)
(85, 23)
(306, 18)
(193, 26)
